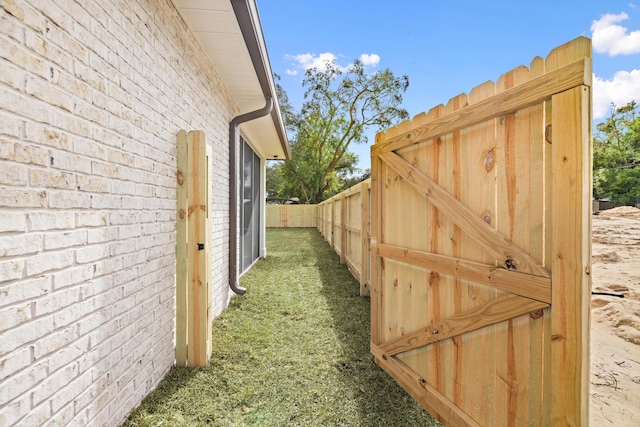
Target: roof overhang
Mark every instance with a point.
(230, 33)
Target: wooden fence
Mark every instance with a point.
(343, 221)
(193, 271)
(480, 240)
(284, 216)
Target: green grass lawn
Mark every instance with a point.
(294, 351)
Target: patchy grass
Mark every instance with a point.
(294, 351)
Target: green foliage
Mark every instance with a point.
(340, 105)
(616, 156)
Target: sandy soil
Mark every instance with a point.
(615, 321)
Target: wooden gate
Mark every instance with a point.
(480, 241)
(193, 254)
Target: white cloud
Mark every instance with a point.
(307, 61)
(623, 88)
(370, 59)
(613, 39)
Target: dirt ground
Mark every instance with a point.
(615, 321)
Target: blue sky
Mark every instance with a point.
(449, 47)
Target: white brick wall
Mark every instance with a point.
(92, 94)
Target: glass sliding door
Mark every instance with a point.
(250, 209)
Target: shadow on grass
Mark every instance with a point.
(381, 401)
(294, 351)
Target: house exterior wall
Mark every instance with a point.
(92, 95)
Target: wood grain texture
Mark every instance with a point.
(571, 284)
(497, 310)
(181, 252)
(483, 259)
(526, 285)
(493, 241)
(522, 96)
(445, 411)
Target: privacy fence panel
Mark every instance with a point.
(343, 220)
(480, 248)
(285, 216)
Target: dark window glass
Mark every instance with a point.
(250, 209)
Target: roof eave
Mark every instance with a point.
(230, 33)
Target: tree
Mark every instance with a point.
(340, 105)
(616, 156)
(357, 178)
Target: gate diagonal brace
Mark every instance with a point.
(495, 311)
(491, 239)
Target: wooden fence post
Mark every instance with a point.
(364, 239)
(571, 285)
(376, 238)
(343, 228)
(181, 252)
(333, 223)
(193, 266)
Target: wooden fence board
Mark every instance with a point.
(571, 204)
(193, 266)
(181, 251)
(522, 96)
(343, 220)
(483, 190)
(198, 294)
(482, 346)
(365, 234)
(513, 257)
(284, 216)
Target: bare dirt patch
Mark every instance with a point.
(615, 318)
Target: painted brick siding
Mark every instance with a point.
(92, 95)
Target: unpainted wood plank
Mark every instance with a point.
(402, 223)
(197, 324)
(525, 285)
(445, 411)
(571, 263)
(475, 227)
(434, 353)
(570, 255)
(420, 240)
(539, 373)
(513, 221)
(391, 288)
(364, 238)
(513, 169)
(343, 229)
(208, 238)
(459, 294)
(536, 169)
(574, 50)
(182, 313)
(548, 258)
(497, 310)
(478, 392)
(533, 92)
(376, 270)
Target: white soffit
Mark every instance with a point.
(215, 25)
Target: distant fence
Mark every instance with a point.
(343, 221)
(284, 216)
